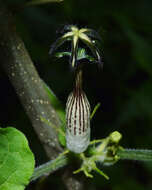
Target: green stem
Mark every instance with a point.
(94, 110)
(62, 160)
(135, 154)
(50, 167)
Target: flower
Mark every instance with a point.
(74, 34)
(77, 118)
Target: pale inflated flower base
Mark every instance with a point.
(78, 143)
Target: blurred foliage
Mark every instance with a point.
(123, 87)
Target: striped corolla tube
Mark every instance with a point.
(77, 118)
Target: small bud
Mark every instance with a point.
(115, 137)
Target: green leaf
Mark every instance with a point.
(55, 103)
(61, 137)
(16, 160)
(60, 111)
(39, 2)
(60, 130)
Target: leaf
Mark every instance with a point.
(60, 111)
(60, 130)
(55, 103)
(61, 137)
(39, 2)
(16, 160)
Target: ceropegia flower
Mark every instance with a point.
(74, 34)
(77, 118)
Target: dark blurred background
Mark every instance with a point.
(124, 86)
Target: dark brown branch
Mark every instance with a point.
(28, 85)
(18, 65)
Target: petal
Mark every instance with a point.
(74, 50)
(60, 41)
(62, 54)
(91, 33)
(92, 47)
